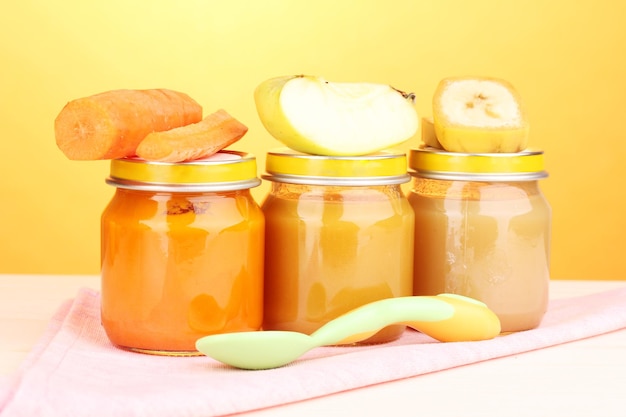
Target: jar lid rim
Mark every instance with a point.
(221, 171)
(384, 167)
(435, 163)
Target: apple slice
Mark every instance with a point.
(315, 116)
(479, 115)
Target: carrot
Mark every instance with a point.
(111, 124)
(194, 141)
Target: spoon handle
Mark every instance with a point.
(445, 317)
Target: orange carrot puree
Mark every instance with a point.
(179, 266)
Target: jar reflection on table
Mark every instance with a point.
(334, 243)
(181, 261)
(483, 229)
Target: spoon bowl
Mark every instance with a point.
(246, 350)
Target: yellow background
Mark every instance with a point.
(566, 58)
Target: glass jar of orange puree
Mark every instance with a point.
(482, 229)
(339, 234)
(182, 252)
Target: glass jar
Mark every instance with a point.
(182, 252)
(339, 234)
(482, 229)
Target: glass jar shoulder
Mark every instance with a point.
(325, 202)
(474, 190)
(174, 210)
(496, 199)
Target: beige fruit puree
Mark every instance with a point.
(484, 234)
(331, 248)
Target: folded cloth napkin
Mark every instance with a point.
(75, 371)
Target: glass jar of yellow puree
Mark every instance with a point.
(182, 252)
(482, 229)
(339, 234)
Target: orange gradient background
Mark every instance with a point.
(566, 59)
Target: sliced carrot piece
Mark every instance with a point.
(194, 141)
(111, 124)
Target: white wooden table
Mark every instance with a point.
(582, 378)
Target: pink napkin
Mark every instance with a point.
(75, 371)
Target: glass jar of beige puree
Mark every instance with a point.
(339, 234)
(482, 229)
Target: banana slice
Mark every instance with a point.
(429, 137)
(479, 115)
(315, 116)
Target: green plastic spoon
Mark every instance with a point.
(445, 317)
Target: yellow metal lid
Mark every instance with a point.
(382, 168)
(434, 163)
(223, 171)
